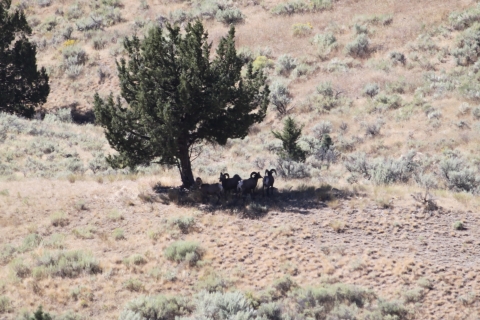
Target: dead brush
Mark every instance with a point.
(426, 200)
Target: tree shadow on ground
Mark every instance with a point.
(301, 200)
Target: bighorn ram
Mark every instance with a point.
(249, 185)
(209, 189)
(229, 183)
(268, 181)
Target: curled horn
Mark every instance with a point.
(266, 171)
(226, 175)
(273, 170)
(253, 174)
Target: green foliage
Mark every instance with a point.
(458, 174)
(458, 225)
(468, 46)
(156, 308)
(358, 48)
(26, 88)
(289, 136)
(301, 29)
(285, 64)
(223, 306)
(299, 6)
(383, 171)
(172, 109)
(30, 242)
(5, 305)
(133, 285)
(59, 219)
(371, 90)
(40, 315)
(185, 224)
(280, 97)
(187, 251)
(118, 234)
(230, 16)
(385, 102)
(327, 98)
(7, 253)
(68, 264)
(320, 301)
(55, 241)
(464, 19)
(325, 44)
(262, 62)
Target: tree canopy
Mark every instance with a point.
(22, 87)
(177, 96)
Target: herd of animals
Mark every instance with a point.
(237, 184)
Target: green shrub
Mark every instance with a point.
(59, 219)
(5, 305)
(301, 29)
(299, 6)
(383, 171)
(398, 57)
(223, 306)
(393, 308)
(19, 268)
(185, 224)
(212, 283)
(55, 241)
(414, 295)
(284, 285)
(358, 48)
(385, 102)
(285, 64)
(136, 259)
(301, 70)
(270, 311)
(262, 62)
(118, 234)
(84, 233)
(156, 308)
(476, 113)
(290, 8)
(7, 253)
(230, 16)
(69, 264)
(133, 285)
(371, 90)
(280, 97)
(458, 175)
(115, 215)
(30, 242)
(187, 251)
(325, 44)
(468, 46)
(464, 19)
(425, 283)
(458, 225)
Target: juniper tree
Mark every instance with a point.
(177, 96)
(290, 134)
(22, 87)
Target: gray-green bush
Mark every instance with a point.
(358, 48)
(188, 251)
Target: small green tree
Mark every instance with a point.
(290, 134)
(40, 315)
(177, 97)
(22, 87)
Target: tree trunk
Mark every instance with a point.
(185, 167)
